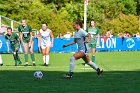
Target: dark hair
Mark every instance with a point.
(45, 23)
(91, 20)
(23, 19)
(77, 21)
(9, 28)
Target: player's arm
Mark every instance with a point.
(88, 38)
(20, 33)
(7, 45)
(71, 43)
(85, 34)
(39, 38)
(18, 39)
(98, 40)
(52, 36)
(98, 36)
(31, 36)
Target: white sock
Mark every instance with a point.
(44, 59)
(71, 67)
(33, 61)
(0, 59)
(93, 65)
(26, 62)
(47, 59)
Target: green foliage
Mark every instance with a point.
(123, 23)
(59, 14)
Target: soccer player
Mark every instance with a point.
(46, 39)
(25, 32)
(14, 43)
(79, 39)
(93, 31)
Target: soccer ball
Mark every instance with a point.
(38, 74)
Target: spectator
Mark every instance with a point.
(110, 34)
(3, 30)
(137, 34)
(60, 36)
(68, 35)
(120, 34)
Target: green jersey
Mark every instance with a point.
(13, 40)
(25, 32)
(93, 32)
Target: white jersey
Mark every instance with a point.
(45, 37)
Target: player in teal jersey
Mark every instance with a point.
(14, 43)
(80, 39)
(95, 33)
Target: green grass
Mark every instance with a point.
(121, 74)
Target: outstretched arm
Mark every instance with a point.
(71, 43)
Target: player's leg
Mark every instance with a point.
(44, 54)
(93, 54)
(1, 63)
(76, 56)
(47, 55)
(32, 54)
(25, 53)
(92, 64)
(16, 57)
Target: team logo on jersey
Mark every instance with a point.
(130, 43)
(0, 44)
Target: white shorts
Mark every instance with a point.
(43, 46)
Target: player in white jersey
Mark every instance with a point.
(46, 39)
(79, 39)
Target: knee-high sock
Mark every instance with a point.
(15, 57)
(93, 65)
(0, 59)
(47, 59)
(32, 57)
(26, 58)
(18, 59)
(44, 58)
(71, 66)
(93, 58)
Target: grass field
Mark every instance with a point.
(121, 74)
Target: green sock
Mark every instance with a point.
(32, 57)
(26, 57)
(93, 58)
(19, 60)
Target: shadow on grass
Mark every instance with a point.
(82, 82)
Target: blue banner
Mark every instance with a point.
(108, 44)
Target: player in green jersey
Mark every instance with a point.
(95, 33)
(25, 32)
(14, 43)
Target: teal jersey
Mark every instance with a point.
(93, 32)
(80, 37)
(25, 31)
(12, 38)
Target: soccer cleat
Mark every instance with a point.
(68, 76)
(45, 65)
(20, 63)
(99, 72)
(34, 64)
(26, 65)
(16, 64)
(1, 64)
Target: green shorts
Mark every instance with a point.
(26, 40)
(91, 45)
(15, 47)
